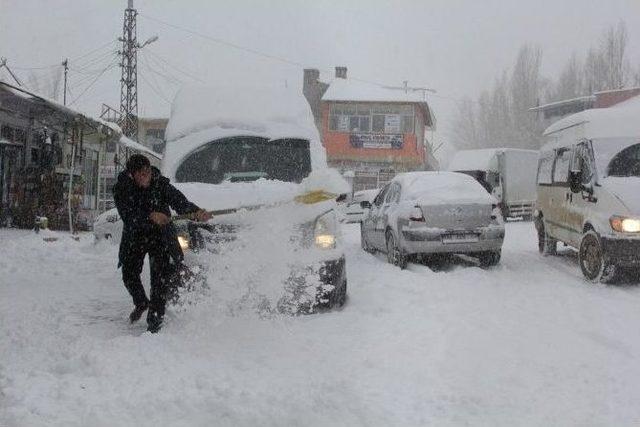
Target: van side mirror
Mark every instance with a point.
(575, 181)
(365, 204)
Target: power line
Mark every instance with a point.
(178, 69)
(111, 66)
(152, 64)
(262, 54)
(225, 43)
(155, 90)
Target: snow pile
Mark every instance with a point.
(525, 343)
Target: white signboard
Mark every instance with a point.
(343, 123)
(392, 123)
(108, 171)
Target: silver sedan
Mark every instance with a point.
(433, 212)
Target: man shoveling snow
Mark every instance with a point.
(144, 198)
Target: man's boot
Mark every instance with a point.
(154, 321)
(136, 314)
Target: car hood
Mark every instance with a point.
(626, 189)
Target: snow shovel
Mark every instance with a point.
(308, 198)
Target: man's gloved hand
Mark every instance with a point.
(159, 218)
(203, 216)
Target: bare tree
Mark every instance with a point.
(570, 84)
(607, 66)
(465, 128)
(525, 88)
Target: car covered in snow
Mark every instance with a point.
(257, 150)
(421, 213)
(353, 211)
(108, 225)
(589, 189)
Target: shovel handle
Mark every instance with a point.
(192, 216)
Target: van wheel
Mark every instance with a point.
(593, 261)
(395, 255)
(547, 245)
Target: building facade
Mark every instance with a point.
(370, 133)
(52, 161)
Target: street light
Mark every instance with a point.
(150, 40)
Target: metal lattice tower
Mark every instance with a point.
(129, 80)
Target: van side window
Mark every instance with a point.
(545, 167)
(582, 163)
(561, 168)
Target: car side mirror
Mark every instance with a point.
(575, 181)
(341, 198)
(365, 204)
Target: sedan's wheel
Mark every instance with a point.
(363, 241)
(547, 245)
(395, 255)
(489, 258)
(592, 259)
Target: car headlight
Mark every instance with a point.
(325, 231)
(625, 225)
(184, 242)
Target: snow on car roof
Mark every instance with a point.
(621, 120)
(442, 187)
(200, 115)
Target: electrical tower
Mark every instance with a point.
(129, 79)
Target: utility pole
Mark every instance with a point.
(65, 64)
(129, 79)
(3, 64)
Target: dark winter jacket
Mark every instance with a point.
(135, 204)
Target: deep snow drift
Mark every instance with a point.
(526, 343)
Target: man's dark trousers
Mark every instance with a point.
(163, 275)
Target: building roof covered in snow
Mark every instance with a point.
(349, 90)
(621, 120)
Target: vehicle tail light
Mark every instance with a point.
(416, 215)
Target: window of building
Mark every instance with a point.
(6, 132)
(379, 118)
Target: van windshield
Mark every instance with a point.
(626, 162)
(615, 156)
(247, 158)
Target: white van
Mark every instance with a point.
(231, 147)
(588, 193)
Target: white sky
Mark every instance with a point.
(455, 46)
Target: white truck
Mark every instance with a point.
(509, 174)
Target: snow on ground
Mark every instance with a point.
(525, 343)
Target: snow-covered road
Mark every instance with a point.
(525, 343)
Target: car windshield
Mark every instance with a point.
(615, 156)
(242, 159)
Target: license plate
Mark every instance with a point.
(460, 238)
